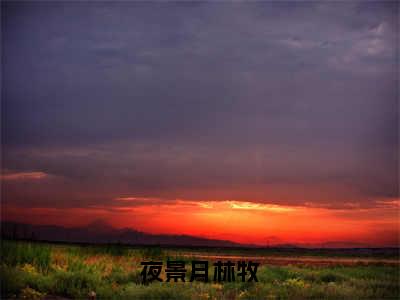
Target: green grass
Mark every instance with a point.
(33, 270)
(13, 254)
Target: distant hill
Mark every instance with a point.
(100, 232)
(343, 244)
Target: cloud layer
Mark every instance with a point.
(277, 103)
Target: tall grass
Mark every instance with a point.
(154, 252)
(18, 253)
(75, 271)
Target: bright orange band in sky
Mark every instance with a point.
(239, 221)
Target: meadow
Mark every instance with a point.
(32, 270)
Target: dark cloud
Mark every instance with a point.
(278, 102)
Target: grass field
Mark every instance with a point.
(48, 271)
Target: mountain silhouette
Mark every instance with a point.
(99, 225)
(100, 232)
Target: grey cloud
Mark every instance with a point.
(216, 94)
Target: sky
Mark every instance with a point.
(195, 117)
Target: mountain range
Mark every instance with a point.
(100, 232)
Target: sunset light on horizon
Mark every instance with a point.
(238, 221)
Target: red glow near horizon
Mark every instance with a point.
(238, 221)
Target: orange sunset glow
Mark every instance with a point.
(239, 221)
